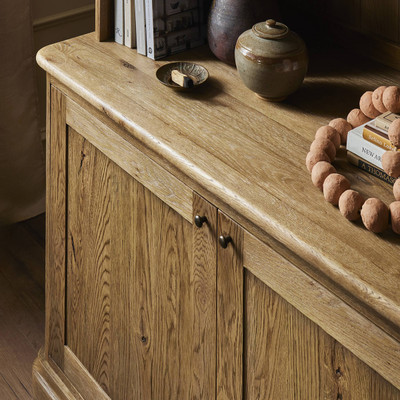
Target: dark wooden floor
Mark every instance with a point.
(21, 305)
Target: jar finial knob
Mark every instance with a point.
(271, 23)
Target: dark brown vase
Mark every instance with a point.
(229, 18)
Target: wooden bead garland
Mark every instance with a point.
(375, 215)
(377, 99)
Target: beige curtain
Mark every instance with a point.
(22, 167)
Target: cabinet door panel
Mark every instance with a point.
(229, 312)
(134, 318)
(267, 348)
(287, 356)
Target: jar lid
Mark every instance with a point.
(270, 29)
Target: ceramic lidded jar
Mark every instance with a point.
(272, 60)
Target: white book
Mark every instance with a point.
(130, 24)
(173, 26)
(140, 27)
(364, 149)
(119, 21)
(149, 28)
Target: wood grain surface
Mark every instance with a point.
(229, 312)
(290, 357)
(357, 333)
(83, 382)
(49, 382)
(89, 259)
(56, 181)
(163, 184)
(138, 283)
(204, 279)
(22, 304)
(246, 155)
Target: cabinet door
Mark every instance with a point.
(140, 284)
(139, 288)
(268, 349)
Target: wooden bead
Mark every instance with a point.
(356, 118)
(333, 187)
(377, 99)
(394, 133)
(375, 215)
(396, 189)
(330, 133)
(394, 209)
(350, 203)
(391, 163)
(314, 156)
(367, 107)
(325, 145)
(319, 173)
(343, 127)
(391, 99)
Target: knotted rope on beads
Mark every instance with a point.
(375, 214)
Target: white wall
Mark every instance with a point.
(53, 21)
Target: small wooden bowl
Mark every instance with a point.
(196, 72)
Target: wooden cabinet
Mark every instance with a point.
(144, 301)
(134, 310)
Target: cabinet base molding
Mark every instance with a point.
(51, 383)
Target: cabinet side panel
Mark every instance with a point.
(89, 266)
(55, 227)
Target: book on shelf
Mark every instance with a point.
(140, 27)
(376, 135)
(129, 24)
(119, 21)
(361, 147)
(371, 169)
(174, 25)
(384, 120)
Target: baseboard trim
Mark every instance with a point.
(75, 383)
(50, 383)
(79, 375)
(64, 17)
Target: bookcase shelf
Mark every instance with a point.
(104, 24)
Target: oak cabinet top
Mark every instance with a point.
(247, 156)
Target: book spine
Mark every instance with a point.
(371, 169)
(383, 124)
(149, 28)
(130, 24)
(378, 138)
(384, 120)
(364, 149)
(140, 27)
(119, 21)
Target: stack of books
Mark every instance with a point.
(367, 143)
(158, 28)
